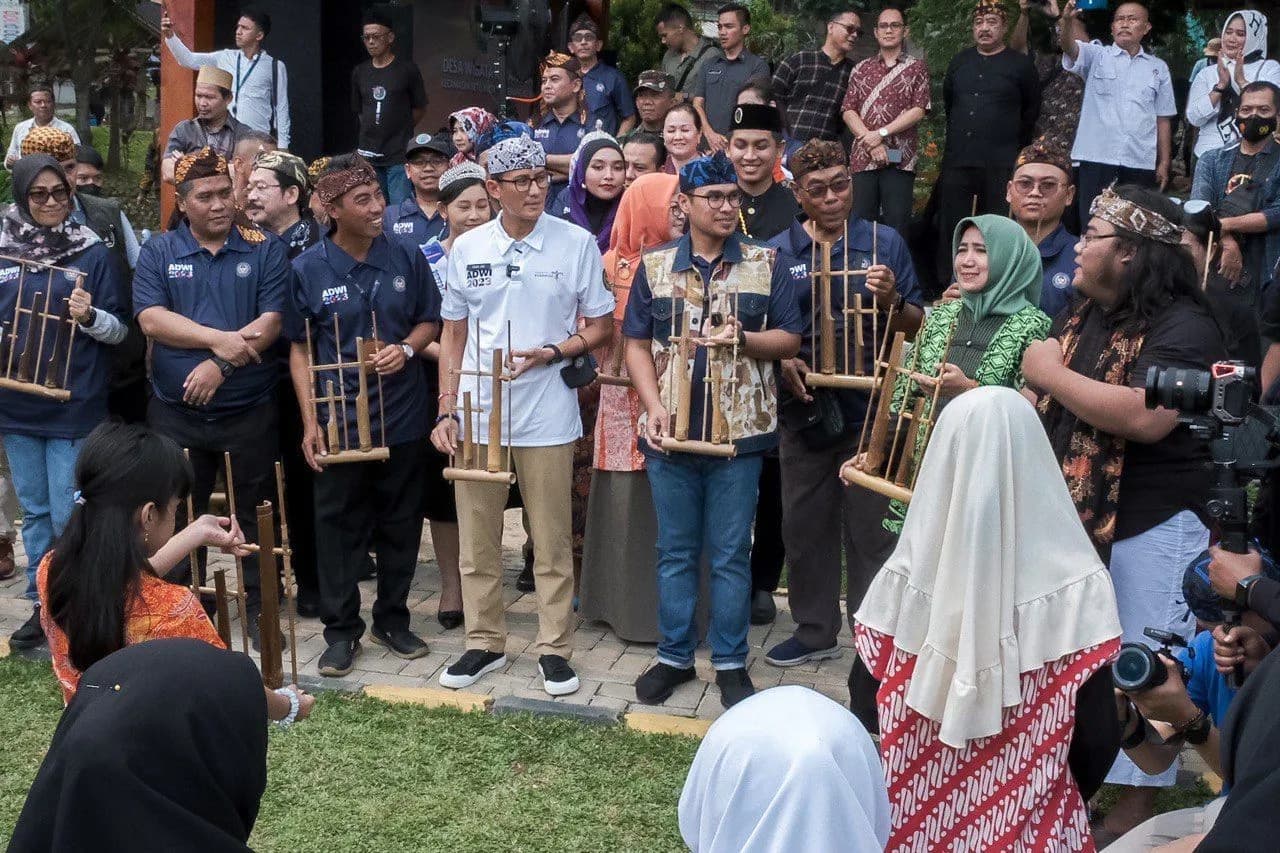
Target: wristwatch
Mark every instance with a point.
(224, 367)
(556, 356)
(407, 350)
(884, 134)
(1197, 731)
(1242, 591)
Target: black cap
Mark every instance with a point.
(437, 142)
(756, 117)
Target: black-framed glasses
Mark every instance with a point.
(853, 29)
(524, 182)
(717, 200)
(429, 162)
(41, 196)
(818, 190)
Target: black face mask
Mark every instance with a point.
(89, 189)
(1256, 128)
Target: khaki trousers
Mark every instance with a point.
(546, 477)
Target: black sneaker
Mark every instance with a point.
(29, 635)
(369, 569)
(403, 644)
(660, 681)
(471, 667)
(255, 636)
(339, 658)
(735, 685)
(763, 608)
(525, 583)
(558, 678)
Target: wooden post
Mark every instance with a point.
(193, 22)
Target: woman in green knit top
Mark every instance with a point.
(998, 272)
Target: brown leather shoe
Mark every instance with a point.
(7, 565)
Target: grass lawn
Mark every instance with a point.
(364, 775)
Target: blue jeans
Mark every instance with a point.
(703, 502)
(394, 182)
(44, 478)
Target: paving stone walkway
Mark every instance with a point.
(606, 665)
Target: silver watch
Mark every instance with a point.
(407, 350)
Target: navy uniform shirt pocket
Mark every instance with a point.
(661, 309)
(752, 308)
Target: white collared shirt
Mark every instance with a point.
(250, 85)
(23, 129)
(534, 290)
(1123, 95)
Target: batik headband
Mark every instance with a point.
(707, 171)
(49, 140)
(1042, 151)
(286, 165)
(466, 171)
(1135, 218)
(205, 163)
(334, 185)
(990, 7)
(520, 152)
(562, 60)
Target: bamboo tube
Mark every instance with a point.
(290, 589)
(272, 664)
(241, 604)
(495, 416)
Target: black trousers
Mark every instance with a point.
(957, 188)
(1093, 178)
(884, 196)
(363, 504)
(250, 438)
(129, 402)
(299, 492)
(767, 552)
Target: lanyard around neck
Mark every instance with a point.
(240, 81)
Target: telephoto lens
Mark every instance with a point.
(1137, 668)
(1179, 389)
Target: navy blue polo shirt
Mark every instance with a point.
(608, 97)
(559, 137)
(406, 221)
(656, 319)
(89, 379)
(395, 281)
(226, 291)
(1058, 255)
(890, 250)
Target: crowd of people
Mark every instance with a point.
(645, 257)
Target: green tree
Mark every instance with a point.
(633, 35)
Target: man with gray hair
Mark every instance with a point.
(523, 281)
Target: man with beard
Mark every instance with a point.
(249, 145)
(353, 272)
(213, 127)
(210, 295)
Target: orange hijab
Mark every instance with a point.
(643, 222)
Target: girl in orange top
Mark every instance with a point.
(101, 586)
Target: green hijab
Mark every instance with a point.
(1014, 269)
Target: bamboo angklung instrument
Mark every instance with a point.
(494, 470)
(220, 597)
(241, 605)
(197, 578)
(826, 333)
(272, 664)
(41, 366)
(885, 461)
(715, 439)
(334, 401)
(286, 560)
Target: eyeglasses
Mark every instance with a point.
(853, 29)
(1093, 238)
(1046, 187)
(582, 38)
(891, 25)
(818, 191)
(522, 183)
(374, 36)
(717, 200)
(41, 196)
(1191, 205)
(262, 187)
(429, 162)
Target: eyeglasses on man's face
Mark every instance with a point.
(524, 182)
(717, 200)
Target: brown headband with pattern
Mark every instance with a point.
(332, 186)
(204, 163)
(1122, 213)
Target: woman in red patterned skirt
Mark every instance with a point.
(989, 632)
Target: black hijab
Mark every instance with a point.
(21, 237)
(164, 747)
(1251, 766)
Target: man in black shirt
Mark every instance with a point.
(388, 97)
(755, 141)
(992, 98)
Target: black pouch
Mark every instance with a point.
(820, 424)
(580, 371)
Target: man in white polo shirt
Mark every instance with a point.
(1125, 133)
(529, 276)
(260, 85)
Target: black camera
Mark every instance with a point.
(1223, 393)
(1138, 668)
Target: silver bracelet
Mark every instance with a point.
(294, 704)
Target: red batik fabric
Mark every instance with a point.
(1009, 792)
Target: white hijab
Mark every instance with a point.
(785, 770)
(1216, 134)
(993, 575)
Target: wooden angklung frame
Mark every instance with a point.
(717, 432)
(848, 330)
(332, 399)
(892, 441)
(493, 468)
(37, 339)
(271, 558)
